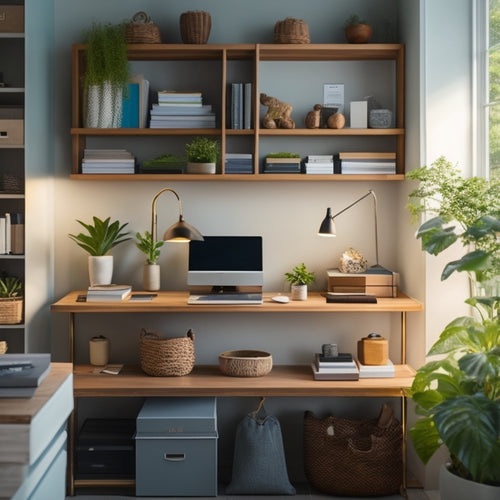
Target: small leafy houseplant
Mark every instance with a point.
(299, 278)
(202, 150)
(148, 246)
(11, 287)
(458, 394)
(356, 29)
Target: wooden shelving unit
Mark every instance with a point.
(253, 54)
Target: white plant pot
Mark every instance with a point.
(92, 109)
(151, 277)
(453, 487)
(299, 292)
(103, 106)
(100, 270)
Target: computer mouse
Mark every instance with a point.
(281, 298)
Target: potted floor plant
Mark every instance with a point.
(11, 300)
(100, 238)
(458, 393)
(299, 278)
(151, 249)
(106, 74)
(202, 154)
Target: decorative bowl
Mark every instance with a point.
(245, 363)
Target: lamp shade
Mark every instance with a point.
(181, 231)
(327, 227)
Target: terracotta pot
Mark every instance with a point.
(358, 33)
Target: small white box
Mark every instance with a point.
(359, 114)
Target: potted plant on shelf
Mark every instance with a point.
(151, 271)
(299, 278)
(106, 74)
(101, 237)
(202, 154)
(11, 300)
(356, 30)
(458, 394)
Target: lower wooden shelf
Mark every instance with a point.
(284, 380)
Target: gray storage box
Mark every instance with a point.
(176, 447)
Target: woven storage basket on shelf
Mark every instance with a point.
(142, 30)
(166, 357)
(195, 26)
(291, 30)
(11, 310)
(245, 363)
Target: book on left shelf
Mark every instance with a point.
(105, 293)
(21, 374)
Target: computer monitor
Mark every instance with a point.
(226, 263)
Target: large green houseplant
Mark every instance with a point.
(458, 391)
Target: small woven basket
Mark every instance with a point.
(195, 26)
(11, 310)
(291, 30)
(142, 30)
(245, 363)
(166, 357)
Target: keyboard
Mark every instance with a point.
(226, 298)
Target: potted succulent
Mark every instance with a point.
(151, 271)
(202, 154)
(299, 278)
(458, 394)
(11, 300)
(100, 238)
(106, 74)
(356, 30)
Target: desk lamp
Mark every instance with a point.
(181, 231)
(327, 227)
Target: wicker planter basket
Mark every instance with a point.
(166, 357)
(291, 30)
(195, 26)
(11, 311)
(142, 30)
(245, 363)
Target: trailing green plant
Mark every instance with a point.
(300, 275)
(202, 150)
(353, 20)
(283, 154)
(458, 394)
(101, 236)
(148, 246)
(11, 287)
(106, 55)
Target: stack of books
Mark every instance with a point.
(319, 164)
(11, 234)
(181, 110)
(241, 106)
(108, 293)
(108, 161)
(282, 166)
(21, 374)
(239, 163)
(365, 163)
(340, 367)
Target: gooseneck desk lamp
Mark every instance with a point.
(327, 227)
(181, 231)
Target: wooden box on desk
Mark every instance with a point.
(380, 284)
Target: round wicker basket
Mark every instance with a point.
(142, 30)
(246, 363)
(291, 30)
(195, 26)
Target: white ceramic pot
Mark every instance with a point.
(151, 277)
(453, 487)
(100, 270)
(299, 292)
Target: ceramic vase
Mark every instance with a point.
(299, 292)
(151, 277)
(100, 270)
(104, 106)
(453, 487)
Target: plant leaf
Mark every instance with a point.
(425, 438)
(434, 237)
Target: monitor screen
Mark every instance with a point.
(226, 261)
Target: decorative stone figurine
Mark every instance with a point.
(278, 113)
(313, 118)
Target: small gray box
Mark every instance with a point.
(176, 447)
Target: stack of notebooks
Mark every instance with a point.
(107, 161)
(239, 163)
(340, 367)
(107, 293)
(365, 163)
(181, 110)
(282, 166)
(21, 374)
(319, 164)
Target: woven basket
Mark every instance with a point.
(291, 30)
(166, 357)
(195, 26)
(142, 30)
(354, 457)
(11, 311)
(3, 346)
(245, 363)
